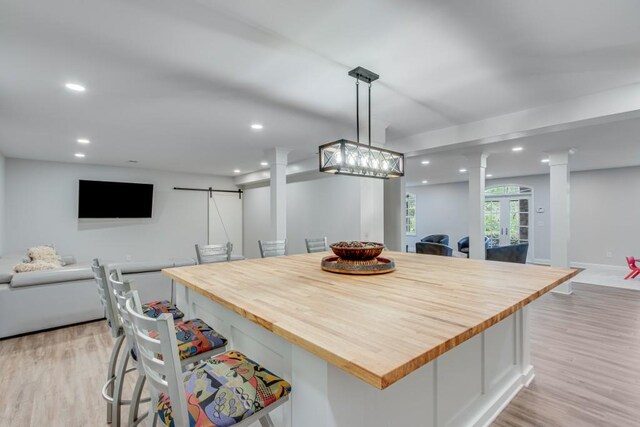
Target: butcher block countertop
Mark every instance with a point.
(378, 328)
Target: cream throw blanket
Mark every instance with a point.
(40, 258)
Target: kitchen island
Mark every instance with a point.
(440, 341)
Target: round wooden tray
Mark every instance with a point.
(379, 265)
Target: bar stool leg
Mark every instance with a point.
(266, 421)
(111, 370)
(117, 394)
(135, 400)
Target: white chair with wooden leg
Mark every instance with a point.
(269, 248)
(222, 390)
(195, 339)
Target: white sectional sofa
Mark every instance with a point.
(38, 300)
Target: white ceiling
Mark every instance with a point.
(176, 84)
(610, 145)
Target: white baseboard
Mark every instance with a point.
(605, 266)
(585, 265)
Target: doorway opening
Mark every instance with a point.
(507, 210)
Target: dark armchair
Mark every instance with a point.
(463, 244)
(511, 253)
(443, 239)
(433, 249)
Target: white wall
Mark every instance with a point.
(2, 202)
(42, 207)
(321, 207)
(604, 214)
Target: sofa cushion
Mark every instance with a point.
(67, 259)
(64, 274)
(149, 266)
(7, 263)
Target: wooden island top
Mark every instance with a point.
(378, 328)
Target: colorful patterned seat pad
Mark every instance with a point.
(154, 309)
(196, 337)
(225, 390)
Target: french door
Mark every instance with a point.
(507, 219)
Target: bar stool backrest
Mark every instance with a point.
(214, 253)
(120, 288)
(269, 248)
(106, 297)
(316, 245)
(158, 351)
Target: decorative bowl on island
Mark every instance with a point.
(357, 251)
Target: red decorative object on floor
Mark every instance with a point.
(635, 270)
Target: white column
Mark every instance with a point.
(559, 213)
(394, 214)
(477, 170)
(278, 162)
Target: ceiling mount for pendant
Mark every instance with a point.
(353, 158)
(363, 75)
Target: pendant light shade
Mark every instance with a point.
(351, 158)
(346, 157)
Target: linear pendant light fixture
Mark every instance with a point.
(346, 157)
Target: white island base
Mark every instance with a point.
(467, 386)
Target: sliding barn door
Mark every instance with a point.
(225, 220)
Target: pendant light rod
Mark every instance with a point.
(357, 110)
(369, 114)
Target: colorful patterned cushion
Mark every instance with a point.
(225, 390)
(154, 309)
(196, 337)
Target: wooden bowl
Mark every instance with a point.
(358, 254)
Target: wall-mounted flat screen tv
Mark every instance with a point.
(104, 199)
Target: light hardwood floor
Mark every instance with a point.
(585, 348)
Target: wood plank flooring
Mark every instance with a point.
(586, 354)
(585, 349)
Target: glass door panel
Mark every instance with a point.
(518, 221)
(492, 221)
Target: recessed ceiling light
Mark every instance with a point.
(425, 162)
(264, 164)
(462, 170)
(75, 87)
(425, 181)
(79, 155)
(489, 175)
(545, 160)
(236, 171)
(517, 149)
(256, 126)
(83, 141)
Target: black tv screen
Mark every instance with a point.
(104, 199)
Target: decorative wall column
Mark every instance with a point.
(278, 162)
(477, 171)
(394, 214)
(559, 207)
